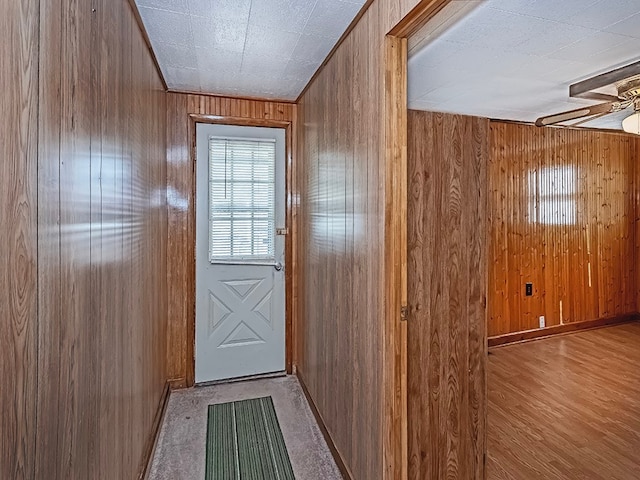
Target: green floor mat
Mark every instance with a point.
(244, 442)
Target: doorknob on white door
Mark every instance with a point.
(278, 266)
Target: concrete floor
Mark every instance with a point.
(180, 453)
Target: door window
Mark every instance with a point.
(241, 200)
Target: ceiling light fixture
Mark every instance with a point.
(631, 124)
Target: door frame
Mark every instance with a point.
(290, 267)
(394, 146)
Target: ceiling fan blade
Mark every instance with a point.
(588, 119)
(602, 108)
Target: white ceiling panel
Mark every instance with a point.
(628, 26)
(183, 76)
(327, 18)
(280, 43)
(586, 47)
(179, 56)
(290, 15)
(228, 37)
(251, 48)
(564, 11)
(599, 15)
(311, 48)
(515, 59)
(179, 6)
(167, 26)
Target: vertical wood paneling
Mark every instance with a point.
(562, 216)
(48, 185)
(350, 176)
(18, 236)
(181, 212)
(447, 281)
(101, 242)
(335, 167)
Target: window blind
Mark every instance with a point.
(553, 195)
(241, 199)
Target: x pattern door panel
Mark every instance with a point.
(240, 312)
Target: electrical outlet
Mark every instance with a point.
(542, 323)
(528, 289)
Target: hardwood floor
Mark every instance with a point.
(567, 407)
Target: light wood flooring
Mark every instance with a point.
(566, 407)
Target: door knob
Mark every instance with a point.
(278, 266)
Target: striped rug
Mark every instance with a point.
(244, 442)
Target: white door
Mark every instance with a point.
(240, 286)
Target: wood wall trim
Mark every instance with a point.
(182, 112)
(395, 255)
(147, 41)
(239, 121)
(152, 441)
(447, 16)
(635, 158)
(422, 13)
(519, 337)
(240, 97)
(342, 466)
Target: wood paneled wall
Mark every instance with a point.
(83, 376)
(447, 283)
(181, 208)
(562, 216)
(346, 333)
(18, 236)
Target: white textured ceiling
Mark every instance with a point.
(254, 48)
(515, 59)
